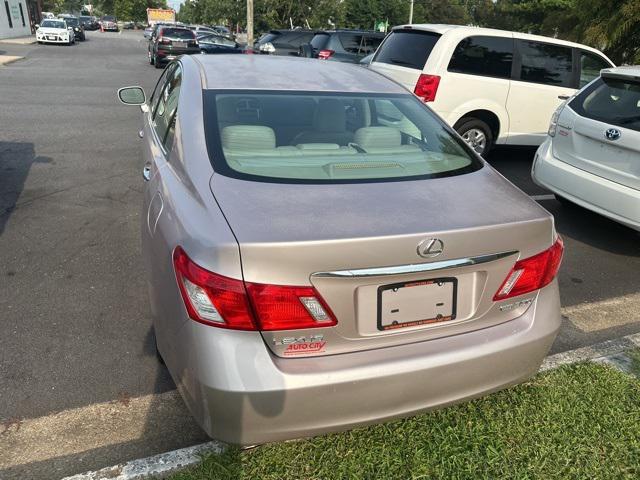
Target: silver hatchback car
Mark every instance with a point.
(324, 252)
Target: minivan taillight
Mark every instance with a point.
(325, 54)
(427, 87)
(532, 273)
(226, 302)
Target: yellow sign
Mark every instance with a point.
(160, 15)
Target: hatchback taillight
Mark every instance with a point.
(427, 87)
(226, 302)
(325, 54)
(532, 273)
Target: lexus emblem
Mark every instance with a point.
(612, 134)
(431, 247)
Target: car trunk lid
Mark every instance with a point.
(356, 243)
(599, 132)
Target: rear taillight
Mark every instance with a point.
(532, 273)
(325, 54)
(226, 302)
(286, 308)
(427, 87)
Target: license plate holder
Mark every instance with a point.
(417, 303)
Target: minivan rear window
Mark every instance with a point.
(610, 100)
(329, 137)
(407, 48)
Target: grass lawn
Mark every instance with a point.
(580, 421)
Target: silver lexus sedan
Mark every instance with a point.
(324, 252)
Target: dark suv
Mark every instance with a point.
(167, 43)
(283, 42)
(78, 28)
(349, 46)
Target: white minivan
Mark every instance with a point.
(492, 86)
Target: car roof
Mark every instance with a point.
(629, 71)
(266, 72)
(464, 30)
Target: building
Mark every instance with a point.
(19, 17)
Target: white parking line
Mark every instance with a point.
(538, 198)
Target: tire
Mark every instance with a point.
(151, 59)
(156, 62)
(477, 134)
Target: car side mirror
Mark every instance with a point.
(69, 28)
(132, 95)
(37, 25)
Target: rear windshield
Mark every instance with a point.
(611, 101)
(329, 138)
(109, 18)
(178, 33)
(71, 21)
(407, 48)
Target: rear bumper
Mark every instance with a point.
(240, 393)
(607, 198)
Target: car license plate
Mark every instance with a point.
(51, 38)
(412, 304)
(180, 44)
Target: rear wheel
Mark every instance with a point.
(477, 134)
(151, 60)
(156, 62)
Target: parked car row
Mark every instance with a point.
(65, 29)
(167, 41)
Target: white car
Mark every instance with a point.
(55, 31)
(591, 156)
(492, 86)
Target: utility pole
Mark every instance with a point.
(249, 23)
(411, 12)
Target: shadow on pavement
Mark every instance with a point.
(16, 159)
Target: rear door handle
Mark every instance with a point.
(146, 173)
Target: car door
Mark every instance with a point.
(159, 132)
(543, 72)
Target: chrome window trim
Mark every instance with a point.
(415, 267)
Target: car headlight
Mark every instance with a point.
(76, 29)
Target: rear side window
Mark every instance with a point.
(371, 44)
(612, 101)
(351, 42)
(407, 48)
(182, 33)
(165, 113)
(546, 63)
(590, 66)
(488, 56)
(319, 41)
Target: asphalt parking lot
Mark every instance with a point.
(75, 328)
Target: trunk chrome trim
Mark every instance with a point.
(415, 268)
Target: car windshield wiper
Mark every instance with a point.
(397, 61)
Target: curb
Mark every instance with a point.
(151, 467)
(170, 462)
